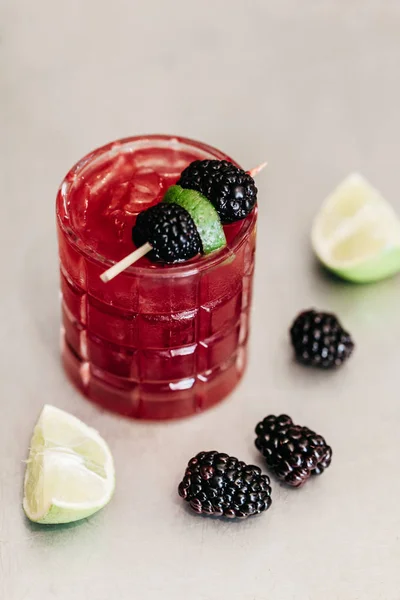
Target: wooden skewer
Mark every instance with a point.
(256, 170)
(134, 256)
(126, 262)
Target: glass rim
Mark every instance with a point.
(168, 270)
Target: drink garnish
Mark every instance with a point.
(171, 231)
(230, 189)
(203, 213)
(232, 198)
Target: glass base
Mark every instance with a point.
(153, 401)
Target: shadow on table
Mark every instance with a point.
(37, 527)
(40, 290)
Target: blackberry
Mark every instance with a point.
(292, 452)
(231, 190)
(319, 340)
(171, 231)
(219, 485)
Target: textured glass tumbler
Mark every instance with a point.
(158, 341)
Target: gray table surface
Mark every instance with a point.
(312, 87)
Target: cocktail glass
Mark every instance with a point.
(159, 341)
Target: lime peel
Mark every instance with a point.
(203, 214)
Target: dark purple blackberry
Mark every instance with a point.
(231, 190)
(319, 340)
(292, 452)
(171, 231)
(220, 485)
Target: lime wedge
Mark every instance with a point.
(70, 471)
(356, 234)
(203, 213)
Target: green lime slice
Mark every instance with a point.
(70, 470)
(356, 234)
(203, 214)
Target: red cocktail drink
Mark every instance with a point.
(159, 341)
